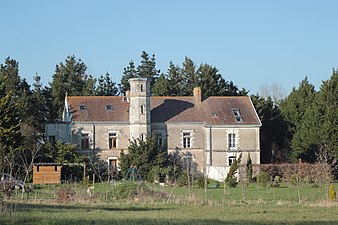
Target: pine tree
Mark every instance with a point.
(294, 106)
(161, 87)
(316, 139)
(106, 87)
(273, 131)
(9, 76)
(147, 68)
(69, 78)
(128, 72)
(189, 77)
(10, 137)
(210, 81)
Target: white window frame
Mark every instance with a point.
(232, 141)
(187, 139)
(231, 160)
(238, 116)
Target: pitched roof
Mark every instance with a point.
(213, 110)
(217, 110)
(94, 108)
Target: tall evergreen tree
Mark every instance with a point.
(294, 106)
(162, 87)
(147, 67)
(189, 77)
(69, 78)
(10, 136)
(39, 105)
(273, 133)
(128, 72)
(106, 87)
(89, 88)
(317, 139)
(210, 81)
(9, 75)
(169, 84)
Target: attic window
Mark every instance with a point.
(82, 108)
(109, 107)
(237, 115)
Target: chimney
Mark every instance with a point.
(198, 94)
(125, 96)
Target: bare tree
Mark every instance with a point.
(27, 157)
(273, 90)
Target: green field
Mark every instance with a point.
(252, 205)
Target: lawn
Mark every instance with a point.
(170, 214)
(250, 205)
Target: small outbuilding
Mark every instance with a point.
(47, 173)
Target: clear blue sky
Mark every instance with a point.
(251, 42)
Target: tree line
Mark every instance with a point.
(301, 125)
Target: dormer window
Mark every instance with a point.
(237, 115)
(109, 107)
(82, 108)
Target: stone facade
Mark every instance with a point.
(214, 130)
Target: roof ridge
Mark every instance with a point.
(93, 96)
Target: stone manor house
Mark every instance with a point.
(214, 130)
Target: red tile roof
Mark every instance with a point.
(213, 110)
(95, 108)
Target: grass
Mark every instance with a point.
(170, 214)
(309, 193)
(257, 206)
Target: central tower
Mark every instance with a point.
(139, 109)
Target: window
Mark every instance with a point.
(160, 141)
(231, 141)
(186, 140)
(55, 168)
(38, 169)
(141, 87)
(82, 108)
(237, 115)
(231, 160)
(84, 141)
(142, 109)
(112, 140)
(109, 107)
(51, 138)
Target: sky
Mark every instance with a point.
(252, 43)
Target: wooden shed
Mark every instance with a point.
(47, 173)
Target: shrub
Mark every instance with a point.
(263, 179)
(65, 194)
(294, 180)
(332, 193)
(127, 190)
(276, 181)
(231, 178)
(183, 180)
(232, 182)
(201, 181)
(249, 170)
